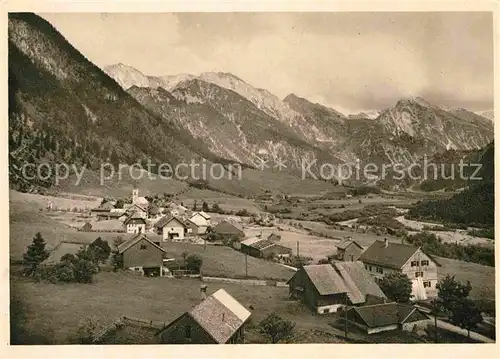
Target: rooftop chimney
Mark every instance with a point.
(203, 292)
(386, 243)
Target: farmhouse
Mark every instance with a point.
(105, 207)
(264, 248)
(171, 228)
(349, 250)
(201, 219)
(226, 229)
(135, 223)
(106, 216)
(384, 317)
(177, 210)
(218, 319)
(194, 229)
(327, 288)
(140, 254)
(384, 257)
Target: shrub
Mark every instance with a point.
(276, 329)
(194, 262)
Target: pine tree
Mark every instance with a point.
(35, 254)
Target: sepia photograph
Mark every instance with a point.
(251, 177)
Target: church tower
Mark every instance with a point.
(135, 195)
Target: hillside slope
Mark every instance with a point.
(63, 108)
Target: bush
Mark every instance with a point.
(194, 262)
(276, 329)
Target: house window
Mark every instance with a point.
(414, 263)
(419, 274)
(427, 284)
(424, 263)
(379, 270)
(366, 267)
(370, 268)
(187, 331)
(143, 246)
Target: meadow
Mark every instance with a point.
(51, 313)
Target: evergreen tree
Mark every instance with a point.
(204, 207)
(35, 254)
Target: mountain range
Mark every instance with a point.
(62, 107)
(402, 134)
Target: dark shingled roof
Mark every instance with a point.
(359, 281)
(347, 242)
(379, 315)
(326, 279)
(227, 228)
(133, 240)
(166, 219)
(394, 256)
(135, 218)
(220, 315)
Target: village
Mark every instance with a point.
(338, 283)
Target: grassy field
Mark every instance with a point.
(482, 278)
(36, 201)
(26, 221)
(310, 246)
(252, 183)
(217, 261)
(51, 313)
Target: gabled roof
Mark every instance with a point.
(345, 243)
(325, 279)
(378, 315)
(359, 282)
(134, 217)
(135, 239)
(135, 205)
(167, 219)
(225, 227)
(395, 255)
(220, 315)
(201, 213)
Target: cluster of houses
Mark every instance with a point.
(384, 257)
(349, 283)
(173, 222)
(347, 286)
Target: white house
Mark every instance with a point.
(135, 223)
(201, 219)
(384, 257)
(171, 228)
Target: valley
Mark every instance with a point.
(317, 215)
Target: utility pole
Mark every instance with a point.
(345, 316)
(246, 265)
(298, 253)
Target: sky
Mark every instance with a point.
(352, 61)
